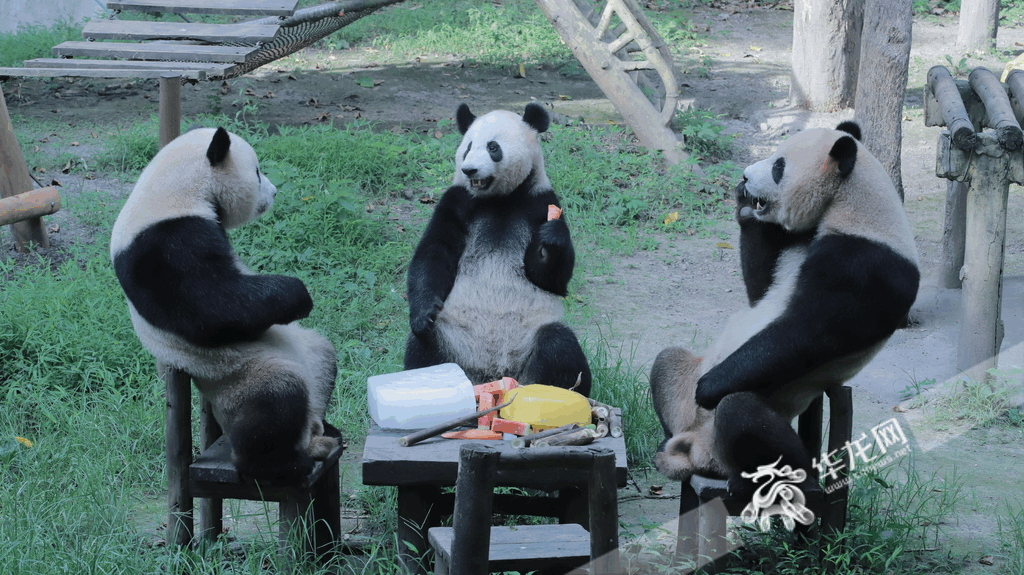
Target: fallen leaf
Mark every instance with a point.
(564, 97)
(54, 229)
(365, 82)
(426, 200)
(671, 218)
(724, 245)
(899, 409)
(756, 48)
(987, 560)
(438, 134)
(656, 489)
(522, 71)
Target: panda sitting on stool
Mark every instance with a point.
(831, 270)
(486, 281)
(197, 308)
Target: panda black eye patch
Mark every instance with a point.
(469, 147)
(778, 168)
(494, 150)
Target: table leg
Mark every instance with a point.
(418, 511)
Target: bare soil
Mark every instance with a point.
(682, 292)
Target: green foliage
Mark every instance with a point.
(702, 133)
(35, 42)
(130, 148)
(513, 32)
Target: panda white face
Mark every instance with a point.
(793, 186)
(241, 192)
(499, 150)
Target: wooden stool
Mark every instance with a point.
(310, 512)
(473, 547)
(702, 526)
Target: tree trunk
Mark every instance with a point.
(979, 21)
(882, 80)
(826, 53)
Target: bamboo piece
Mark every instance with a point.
(951, 107)
(418, 436)
(526, 440)
(29, 205)
(582, 436)
(997, 108)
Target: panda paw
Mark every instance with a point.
(554, 233)
(708, 394)
(422, 321)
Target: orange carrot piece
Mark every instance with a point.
(554, 212)
(472, 434)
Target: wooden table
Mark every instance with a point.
(422, 471)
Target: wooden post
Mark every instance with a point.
(211, 510)
(604, 534)
(473, 503)
(170, 107)
(178, 438)
(954, 235)
(14, 180)
(981, 329)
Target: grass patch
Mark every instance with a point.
(979, 404)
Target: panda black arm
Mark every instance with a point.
(182, 277)
(851, 294)
(435, 262)
(550, 257)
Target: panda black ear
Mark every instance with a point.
(537, 117)
(850, 128)
(464, 118)
(844, 152)
(219, 146)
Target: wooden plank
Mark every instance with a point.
(236, 7)
(98, 73)
(178, 453)
(152, 51)
(243, 33)
(520, 547)
(210, 68)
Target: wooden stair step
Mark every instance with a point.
(525, 547)
(243, 33)
(80, 63)
(154, 51)
(234, 7)
(93, 72)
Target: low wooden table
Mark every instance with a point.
(421, 471)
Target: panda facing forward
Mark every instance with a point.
(831, 270)
(486, 280)
(197, 308)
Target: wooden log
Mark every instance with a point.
(997, 107)
(14, 180)
(29, 205)
(954, 235)
(473, 503)
(526, 440)
(951, 107)
(178, 452)
(1015, 85)
(980, 329)
(418, 436)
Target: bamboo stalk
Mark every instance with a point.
(418, 436)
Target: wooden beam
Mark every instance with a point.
(152, 51)
(997, 108)
(236, 7)
(242, 33)
(163, 66)
(14, 180)
(170, 108)
(941, 90)
(29, 205)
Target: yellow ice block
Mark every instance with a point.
(545, 406)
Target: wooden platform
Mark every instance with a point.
(241, 33)
(523, 547)
(236, 7)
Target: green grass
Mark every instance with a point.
(35, 42)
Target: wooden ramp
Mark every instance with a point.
(626, 57)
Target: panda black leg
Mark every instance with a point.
(557, 359)
(753, 434)
(423, 351)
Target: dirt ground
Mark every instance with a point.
(682, 292)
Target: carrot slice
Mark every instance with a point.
(554, 212)
(472, 434)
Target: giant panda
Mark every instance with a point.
(831, 270)
(486, 280)
(196, 307)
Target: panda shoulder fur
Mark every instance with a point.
(486, 280)
(196, 307)
(831, 270)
